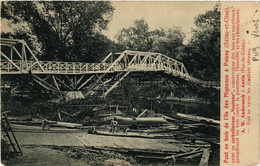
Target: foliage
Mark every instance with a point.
(68, 31)
(168, 41)
(201, 55)
(140, 38)
(136, 37)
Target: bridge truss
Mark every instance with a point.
(18, 60)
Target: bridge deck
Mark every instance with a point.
(23, 61)
(54, 67)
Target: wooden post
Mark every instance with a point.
(11, 53)
(205, 158)
(24, 55)
(53, 77)
(85, 82)
(17, 52)
(59, 116)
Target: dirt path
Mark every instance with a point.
(43, 156)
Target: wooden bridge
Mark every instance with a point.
(18, 59)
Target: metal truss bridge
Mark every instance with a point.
(53, 76)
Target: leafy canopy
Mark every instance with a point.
(202, 53)
(69, 31)
(140, 38)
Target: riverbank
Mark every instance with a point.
(164, 145)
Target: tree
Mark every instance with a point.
(135, 38)
(68, 31)
(201, 55)
(168, 41)
(140, 38)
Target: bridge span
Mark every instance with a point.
(18, 59)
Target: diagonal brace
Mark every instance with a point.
(115, 84)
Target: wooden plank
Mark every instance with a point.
(198, 118)
(115, 84)
(193, 156)
(188, 153)
(101, 82)
(108, 56)
(117, 60)
(64, 84)
(96, 84)
(205, 158)
(53, 77)
(66, 113)
(41, 81)
(80, 79)
(17, 52)
(153, 157)
(142, 113)
(201, 146)
(142, 120)
(85, 82)
(36, 59)
(26, 122)
(66, 124)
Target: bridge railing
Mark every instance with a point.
(142, 61)
(174, 67)
(153, 62)
(71, 67)
(54, 67)
(9, 67)
(149, 61)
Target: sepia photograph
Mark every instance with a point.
(110, 83)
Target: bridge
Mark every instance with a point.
(54, 76)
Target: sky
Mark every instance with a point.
(157, 15)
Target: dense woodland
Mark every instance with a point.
(72, 31)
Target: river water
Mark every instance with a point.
(169, 107)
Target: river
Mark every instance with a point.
(169, 107)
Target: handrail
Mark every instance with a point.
(148, 61)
